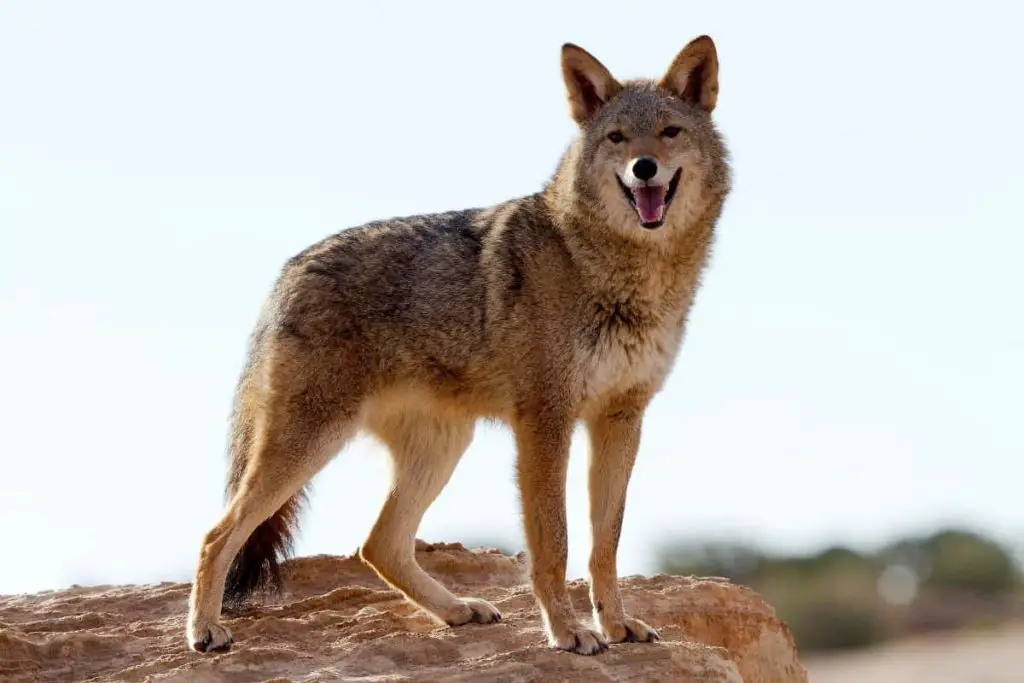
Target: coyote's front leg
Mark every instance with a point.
(614, 440)
(542, 439)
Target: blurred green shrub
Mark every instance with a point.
(954, 560)
(832, 624)
(832, 599)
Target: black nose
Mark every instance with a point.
(645, 168)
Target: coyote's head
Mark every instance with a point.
(648, 159)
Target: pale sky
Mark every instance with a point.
(854, 365)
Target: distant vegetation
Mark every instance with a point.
(842, 598)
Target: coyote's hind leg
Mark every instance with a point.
(299, 416)
(272, 477)
(425, 450)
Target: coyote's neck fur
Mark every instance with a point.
(658, 272)
(662, 273)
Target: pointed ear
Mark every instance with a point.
(693, 75)
(588, 84)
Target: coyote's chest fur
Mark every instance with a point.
(625, 345)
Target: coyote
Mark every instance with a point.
(562, 307)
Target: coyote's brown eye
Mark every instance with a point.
(671, 131)
(616, 136)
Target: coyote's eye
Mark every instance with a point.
(616, 136)
(671, 132)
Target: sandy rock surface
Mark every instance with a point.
(336, 621)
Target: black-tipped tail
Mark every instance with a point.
(256, 570)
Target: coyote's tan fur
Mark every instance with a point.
(566, 306)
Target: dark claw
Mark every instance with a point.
(577, 646)
(654, 637)
(204, 644)
(479, 618)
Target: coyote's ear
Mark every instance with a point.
(693, 75)
(587, 83)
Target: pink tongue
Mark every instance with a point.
(650, 203)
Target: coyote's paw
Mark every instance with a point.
(209, 638)
(629, 630)
(473, 611)
(578, 639)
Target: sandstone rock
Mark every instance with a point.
(336, 621)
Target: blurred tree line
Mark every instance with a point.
(841, 598)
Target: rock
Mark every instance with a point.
(336, 621)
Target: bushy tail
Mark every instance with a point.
(256, 569)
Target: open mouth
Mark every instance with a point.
(651, 202)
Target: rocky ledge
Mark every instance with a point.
(336, 621)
